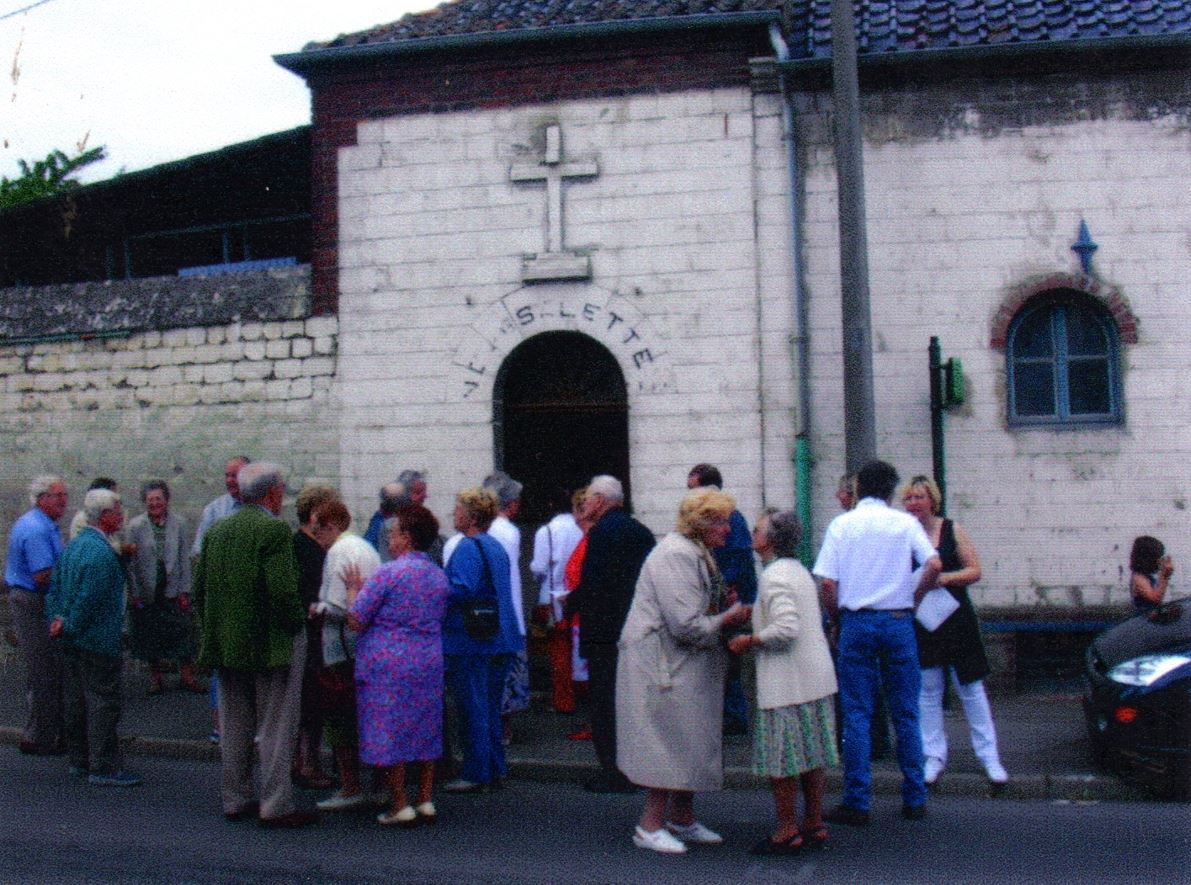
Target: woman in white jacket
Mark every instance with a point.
(794, 738)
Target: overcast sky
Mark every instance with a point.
(159, 80)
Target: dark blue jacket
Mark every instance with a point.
(616, 548)
(735, 559)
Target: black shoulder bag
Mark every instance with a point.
(481, 614)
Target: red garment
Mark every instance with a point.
(574, 569)
(559, 645)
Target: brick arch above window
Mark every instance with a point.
(1107, 295)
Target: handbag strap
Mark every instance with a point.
(487, 568)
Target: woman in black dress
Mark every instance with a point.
(955, 646)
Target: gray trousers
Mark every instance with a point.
(92, 697)
(43, 668)
(268, 702)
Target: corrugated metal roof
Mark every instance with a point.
(893, 26)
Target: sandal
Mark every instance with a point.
(816, 837)
(767, 847)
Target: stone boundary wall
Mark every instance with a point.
(172, 403)
(236, 363)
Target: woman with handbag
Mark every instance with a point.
(670, 675)
(480, 638)
(337, 677)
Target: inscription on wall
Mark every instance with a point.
(608, 317)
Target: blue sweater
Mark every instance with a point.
(87, 593)
(465, 574)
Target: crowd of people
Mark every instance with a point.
(322, 636)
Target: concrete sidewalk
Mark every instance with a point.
(1043, 744)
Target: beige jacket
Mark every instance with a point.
(793, 661)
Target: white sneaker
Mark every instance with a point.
(997, 773)
(695, 833)
(339, 802)
(932, 769)
(659, 841)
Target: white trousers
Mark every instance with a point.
(976, 711)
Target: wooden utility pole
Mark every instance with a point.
(860, 434)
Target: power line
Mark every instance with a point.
(24, 9)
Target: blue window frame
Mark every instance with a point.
(1063, 360)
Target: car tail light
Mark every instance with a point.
(1125, 715)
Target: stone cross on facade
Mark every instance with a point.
(556, 263)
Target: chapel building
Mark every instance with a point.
(564, 239)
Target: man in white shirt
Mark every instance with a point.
(553, 545)
(508, 494)
(867, 564)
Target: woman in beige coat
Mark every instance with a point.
(670, 675)
(794, 736)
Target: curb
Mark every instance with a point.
(1037, 787)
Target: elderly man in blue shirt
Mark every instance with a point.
(34, 546)
(85, 606)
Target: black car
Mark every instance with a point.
(1137, 702)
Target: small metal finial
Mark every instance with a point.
(1084, 247)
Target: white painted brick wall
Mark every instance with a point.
(953, 226)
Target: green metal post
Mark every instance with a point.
(802, 471)
(938, 454)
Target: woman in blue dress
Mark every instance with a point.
(399, 662)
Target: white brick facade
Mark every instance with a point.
(688, 228)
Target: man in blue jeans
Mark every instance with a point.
(869, 589)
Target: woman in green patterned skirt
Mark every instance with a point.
(794, 737)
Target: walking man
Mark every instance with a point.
(34, 546)
(246, 590)
(869, 590)
(85, 605)
(616, 548)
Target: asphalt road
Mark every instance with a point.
(54, 828)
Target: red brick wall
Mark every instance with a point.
(462, 79)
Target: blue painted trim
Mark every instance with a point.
(1046, 626)
(209, 270)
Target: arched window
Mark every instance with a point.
(1063, 362)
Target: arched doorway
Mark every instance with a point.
(560, 416)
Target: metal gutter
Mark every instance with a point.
(307, 61)
(1000, 51)
(803, 461)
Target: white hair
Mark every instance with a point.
(97, 502)
(607, 487)
(257, 478)
(40, 485)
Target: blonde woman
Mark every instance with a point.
(670, 675)
(955, 648)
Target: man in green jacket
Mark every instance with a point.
(246, 591)
(85, 607)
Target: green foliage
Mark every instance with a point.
(46, 178)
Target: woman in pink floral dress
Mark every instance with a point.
(399, 662)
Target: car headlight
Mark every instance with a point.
(1147, 669)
